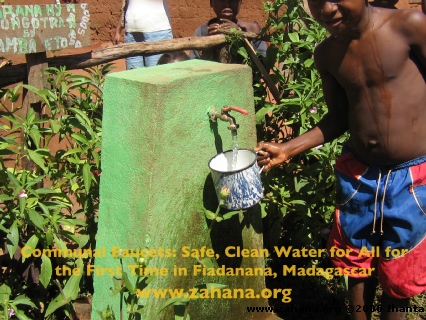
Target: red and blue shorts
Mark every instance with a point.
(380, 220)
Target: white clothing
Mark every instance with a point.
(147, 16)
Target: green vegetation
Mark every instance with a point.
(49, 196)
(303, 189)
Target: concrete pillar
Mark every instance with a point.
(157, 141)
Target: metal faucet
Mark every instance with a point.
(225, 116)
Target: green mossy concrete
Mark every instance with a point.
(157, 141)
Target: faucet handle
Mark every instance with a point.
(213, 113)
(229, 108)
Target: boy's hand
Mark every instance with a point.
(215, 28)
(270, 154)
(228, 24)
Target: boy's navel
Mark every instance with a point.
(372, 144)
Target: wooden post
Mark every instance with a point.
(36, 64)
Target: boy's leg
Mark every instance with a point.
(361, 292)
(391, 307)
(402, 266)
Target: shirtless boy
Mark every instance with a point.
(373, 68)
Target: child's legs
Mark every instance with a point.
(401, 218)
(400, 278)
(391, 307)
(137, 61)
(361, 292)
(156, 36)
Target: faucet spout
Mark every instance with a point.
(225, 116)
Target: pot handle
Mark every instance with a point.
(261, 169)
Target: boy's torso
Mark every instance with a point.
(385, 90)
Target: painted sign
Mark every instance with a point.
(36, 28)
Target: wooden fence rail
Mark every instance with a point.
(11, 74)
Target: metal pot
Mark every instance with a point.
(243, 180)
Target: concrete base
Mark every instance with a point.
(157, 141)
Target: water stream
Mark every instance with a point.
(234, 151)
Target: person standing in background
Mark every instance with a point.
(144, 21)
(226, 19)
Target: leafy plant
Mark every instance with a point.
(49, 195)
(10, 307)
(128, 292)
(302, 191)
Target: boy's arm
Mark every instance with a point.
(332, 125)
(253, 27)
(258, 45)
(249, 26)
(413, 25)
